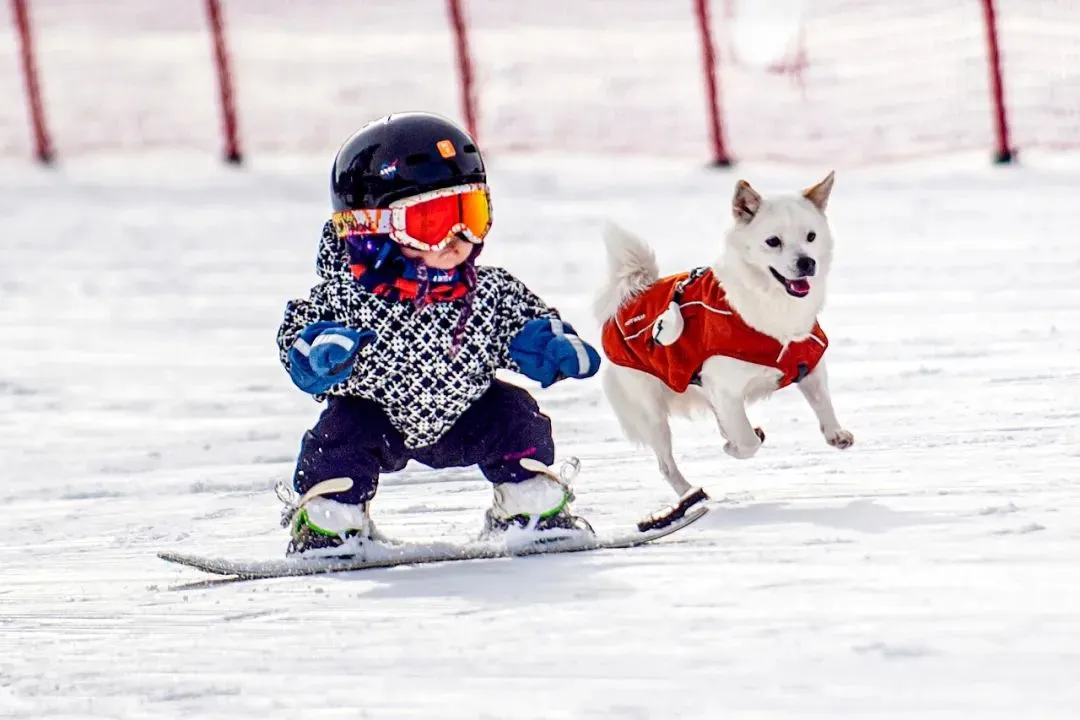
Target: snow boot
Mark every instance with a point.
(539, 504)
(321, 528)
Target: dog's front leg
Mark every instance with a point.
(815, 388)
(743, 440)
(725, 381)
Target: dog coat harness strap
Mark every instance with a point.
(679, 322)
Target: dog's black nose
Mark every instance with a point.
(806, 266)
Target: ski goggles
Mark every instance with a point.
(429, 221)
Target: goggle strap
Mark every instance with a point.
(352, 223)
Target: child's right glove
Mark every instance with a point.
(323, 355)
(548, 350)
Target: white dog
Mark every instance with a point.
(721, 337)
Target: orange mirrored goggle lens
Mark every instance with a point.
(432, 221)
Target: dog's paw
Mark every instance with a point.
(742, 452)
(839, 438)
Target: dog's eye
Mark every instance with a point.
(773, 241)
(811, 236)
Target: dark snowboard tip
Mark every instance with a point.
(676, 512)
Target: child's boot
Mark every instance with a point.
(539, 504)
(325, 528)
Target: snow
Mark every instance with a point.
(929, 571)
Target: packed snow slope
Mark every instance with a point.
(931, 571)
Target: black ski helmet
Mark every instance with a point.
(401, 155)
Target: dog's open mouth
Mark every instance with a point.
(799, 287)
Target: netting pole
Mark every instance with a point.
(464, 62)
(43, 149)
(225, 85)
(1002, 152)
(712, 92)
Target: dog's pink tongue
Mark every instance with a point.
(801, 286)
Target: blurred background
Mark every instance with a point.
(803, 80)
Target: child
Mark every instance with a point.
(404, 335)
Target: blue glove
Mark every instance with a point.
(323, 355)
(548, 350)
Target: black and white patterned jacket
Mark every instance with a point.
(408, 369)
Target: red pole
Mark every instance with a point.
(1003, 152)
(42, 143)
(225, 86)
(464, 61)
(712, 93)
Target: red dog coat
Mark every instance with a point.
(711, 328)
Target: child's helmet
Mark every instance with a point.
(401, 155)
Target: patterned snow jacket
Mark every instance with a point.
(409, 369)
(711, 328)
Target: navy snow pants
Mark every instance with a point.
(353, 438)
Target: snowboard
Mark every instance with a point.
(387, 555)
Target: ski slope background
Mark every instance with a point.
(933, 570)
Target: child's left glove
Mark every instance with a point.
(548, 350)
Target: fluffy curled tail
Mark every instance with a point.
(631, 268)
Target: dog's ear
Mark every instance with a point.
(819, 194)
(746, 202)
